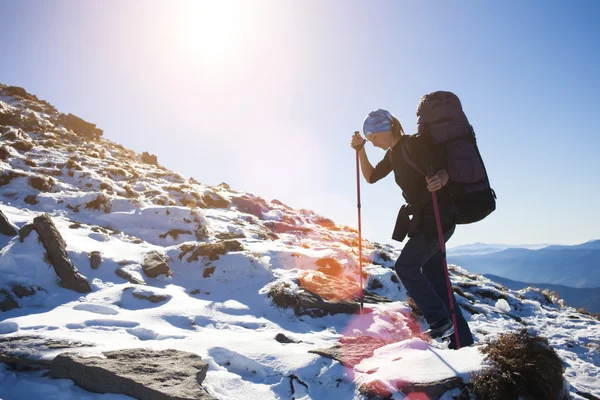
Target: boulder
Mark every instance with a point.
(6, 227)
(6, 301)
(140, 373)
(79, 126)
(155, 264)
(95, 259)
(148, 158)
(57, 254)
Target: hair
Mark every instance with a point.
(397, 129)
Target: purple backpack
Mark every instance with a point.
(441, 120)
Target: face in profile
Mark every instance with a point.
(383, 140)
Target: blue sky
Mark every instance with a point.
(265, 95)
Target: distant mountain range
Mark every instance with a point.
(588, 298)
(487, 248)
(577, 266)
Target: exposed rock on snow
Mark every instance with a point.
(141, 373)
(156, 264)
(6, 301)
(319, 295)
(57, 254)
(350, 351)
(6, 227)
(210, 250)
(121, 273)
(79, 126)
(22, 291)
(25, 352)
(150, 296)
(95, 259)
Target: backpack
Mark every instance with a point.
(442, 122)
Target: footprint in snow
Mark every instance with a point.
(149, 334)
(96, 308)
(110, 323)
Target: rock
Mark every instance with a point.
(210, 250)
(148, 158)
(80, 126)
(26, 352)
(57, 254)
(25, 231)
(214, 200)
(126, 275)
(376, 390)
(6, 227)
(248, 205)
(22, 291)
(352, 350)
(7, 119)
(320, 295)
(330, 266)
(155, 264)
(17, 91)
(281, 338)
(14, 134)
(22, 145)
(95, 259)
(4, 152)
(31, 199)
(207, 273)
(6, 301)
(140, 373)
(151, 297)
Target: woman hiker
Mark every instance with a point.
(420, 264)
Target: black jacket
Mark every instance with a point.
(414, 186)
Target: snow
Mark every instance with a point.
(226, 317)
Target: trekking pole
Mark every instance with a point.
(443, 249)
(359, 228)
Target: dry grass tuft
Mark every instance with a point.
(522, 366)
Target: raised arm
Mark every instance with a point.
(358, 143)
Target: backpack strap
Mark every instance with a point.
(409, 160)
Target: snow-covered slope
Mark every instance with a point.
(104, 198)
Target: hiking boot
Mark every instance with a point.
(440, 329)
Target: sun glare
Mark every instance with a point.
(210, 31)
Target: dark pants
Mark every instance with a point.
(420, 267)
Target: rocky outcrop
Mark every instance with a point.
(17, 91)
(26, 352)
(319, 295)
(210, 250)
(81, 127)
(56, 249)
(148, 158)
(140, 373)
(6, 227)
(155, 264)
